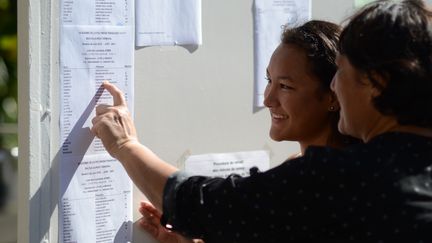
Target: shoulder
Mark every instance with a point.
(382, 145)
(294, 156)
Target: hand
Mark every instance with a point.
(150, 222)
(113, 123)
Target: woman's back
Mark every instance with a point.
(381, 190)
(366, 193)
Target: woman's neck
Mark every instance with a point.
(390, 124)
(326, 138)
(426, 132)
(326, 142)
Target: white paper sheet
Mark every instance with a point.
(361, 3)
(168, 22)
(90, 55)
(224, 164)
(270, 16)
(96, 203)
(97, 12)
(96, 44)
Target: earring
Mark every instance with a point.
(332, 108)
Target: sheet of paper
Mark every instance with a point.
(361, 3)
(96, 203)
(168, 22)
(97, 12)
(96, 44)
(90, 55)
(269, 18)
(224, 164)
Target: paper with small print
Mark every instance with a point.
(96, 44)
(270, 16)
(361, 3)
(168, 22)
(224, 164)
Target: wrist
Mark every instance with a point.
(125, 149)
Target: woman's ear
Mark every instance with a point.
(333, 104)
(377, 83)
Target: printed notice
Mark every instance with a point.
(361, 3)
(90, 55)
(96, 44)
(224, 164)
(270, 17)
(168, 22)
(96, 204)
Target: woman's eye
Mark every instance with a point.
(284, 86)
(268, 79)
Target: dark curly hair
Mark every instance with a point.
(319, 40)
(393, 39)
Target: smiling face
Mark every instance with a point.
(298, 105)
(358, 116)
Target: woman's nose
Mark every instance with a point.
(332, 84)
(269, 94)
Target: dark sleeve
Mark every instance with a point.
(235, 207)
(186, 201)
(260, 207)
(169, 197)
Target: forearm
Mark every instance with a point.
(146, 170)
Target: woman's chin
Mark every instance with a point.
(342, 127)
(276, 137)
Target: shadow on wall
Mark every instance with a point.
(47, 197)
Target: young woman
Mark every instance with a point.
(298, 95)
(379, 191)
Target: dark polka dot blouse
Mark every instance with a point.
(375, 192)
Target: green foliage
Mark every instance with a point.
(8, 69)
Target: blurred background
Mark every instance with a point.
(8, 121)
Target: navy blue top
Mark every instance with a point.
(375, 192)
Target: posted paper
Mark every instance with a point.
(96, 44)
(168, 22)
(270, 16)
(224, 164)
(361, 3)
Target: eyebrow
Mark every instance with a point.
(287, 78)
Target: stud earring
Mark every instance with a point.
(332, 108)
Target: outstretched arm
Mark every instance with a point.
(114, 126)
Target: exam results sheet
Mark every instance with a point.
(96, 44)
